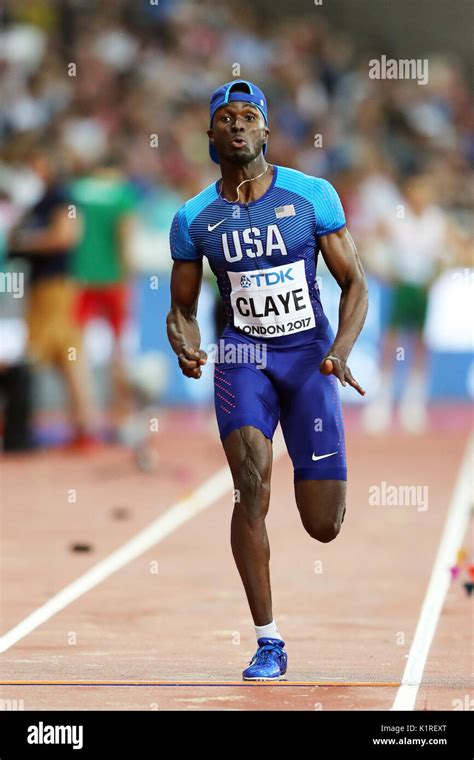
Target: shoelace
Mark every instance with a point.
(263, 653)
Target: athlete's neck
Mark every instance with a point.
(233, 175)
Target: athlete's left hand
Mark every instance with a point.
(341, 370)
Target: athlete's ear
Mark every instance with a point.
(210, 135)
(267, 134)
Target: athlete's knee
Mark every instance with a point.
(324, 529)
(252, 490)
(252, 485)
(250, 462)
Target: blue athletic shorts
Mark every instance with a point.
(284, 385)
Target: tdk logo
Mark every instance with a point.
(267, 279)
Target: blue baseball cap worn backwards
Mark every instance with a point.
(238, 89)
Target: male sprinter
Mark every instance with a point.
(261, 228)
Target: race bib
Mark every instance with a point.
(272, 302)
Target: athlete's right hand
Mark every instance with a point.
(190, 361)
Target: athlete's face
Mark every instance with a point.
(238, 132)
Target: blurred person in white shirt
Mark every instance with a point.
(421, 240)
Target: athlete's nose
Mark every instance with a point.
(238, 125)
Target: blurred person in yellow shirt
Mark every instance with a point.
(45, 235)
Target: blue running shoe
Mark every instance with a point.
(269, 662)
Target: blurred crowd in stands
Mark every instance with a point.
(103, 118)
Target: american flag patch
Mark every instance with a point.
(282, 211)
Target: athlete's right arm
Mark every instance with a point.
(181, 322)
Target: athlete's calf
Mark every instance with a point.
(250, 455)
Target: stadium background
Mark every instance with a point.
(119, 589)
(144, 70)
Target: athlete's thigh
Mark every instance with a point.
(311, 417)
(321, 503)
(244, 396)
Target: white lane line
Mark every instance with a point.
(453, 535)
(210, 491)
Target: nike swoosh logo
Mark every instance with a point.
(211, 227)
(323, 456)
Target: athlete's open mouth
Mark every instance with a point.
(238, 142)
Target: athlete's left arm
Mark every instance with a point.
(340, 254)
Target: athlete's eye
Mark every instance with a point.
(250, 116)
(224, 117)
